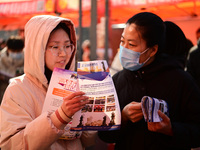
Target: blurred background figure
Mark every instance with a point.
(195, 46)
(11, 61)
(2, 44)
(198, 33)
(194, 62)
(193, 59)
(116, 64)
(86, 50)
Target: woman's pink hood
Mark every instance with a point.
(37, 32)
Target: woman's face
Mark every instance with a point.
(132, 39)
(55, 55)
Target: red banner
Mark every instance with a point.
(120, 3)
(67, 5)
(26, 7)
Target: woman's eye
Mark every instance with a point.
(55, 47)
(131, 45)
(68, 46)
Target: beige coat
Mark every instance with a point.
(22, 124)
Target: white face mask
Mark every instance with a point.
(130, 59)
(16, 56)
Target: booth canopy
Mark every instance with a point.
(15, 13)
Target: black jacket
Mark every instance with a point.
(164, 79)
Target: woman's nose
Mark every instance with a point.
(124, 44)
(62, 52)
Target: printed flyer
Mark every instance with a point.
(150, 107)
(92, 77)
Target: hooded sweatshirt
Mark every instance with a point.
(163, 79)
(23, 125)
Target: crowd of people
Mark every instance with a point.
(152, 60)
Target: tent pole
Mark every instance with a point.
(80, 39)
(93, 37)
(106, 30)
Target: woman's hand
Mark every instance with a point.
(73, 103)
(162, 127)
(132, 111)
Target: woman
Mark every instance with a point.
(49, 42)
(149, 72)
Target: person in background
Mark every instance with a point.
(198, 33)
(116, 65)
(195, 46)
(50, 42)
(148, 71)
(86, 50)
(11, 61)
(2, 44)
(194, 62)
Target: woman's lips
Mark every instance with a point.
(61, 62)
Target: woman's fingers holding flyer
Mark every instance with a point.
(162, 127)
(71, 96)
(136, 117)
(136, 105)
(133, 112)
(74, 102)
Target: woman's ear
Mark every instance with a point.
(154, 50)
